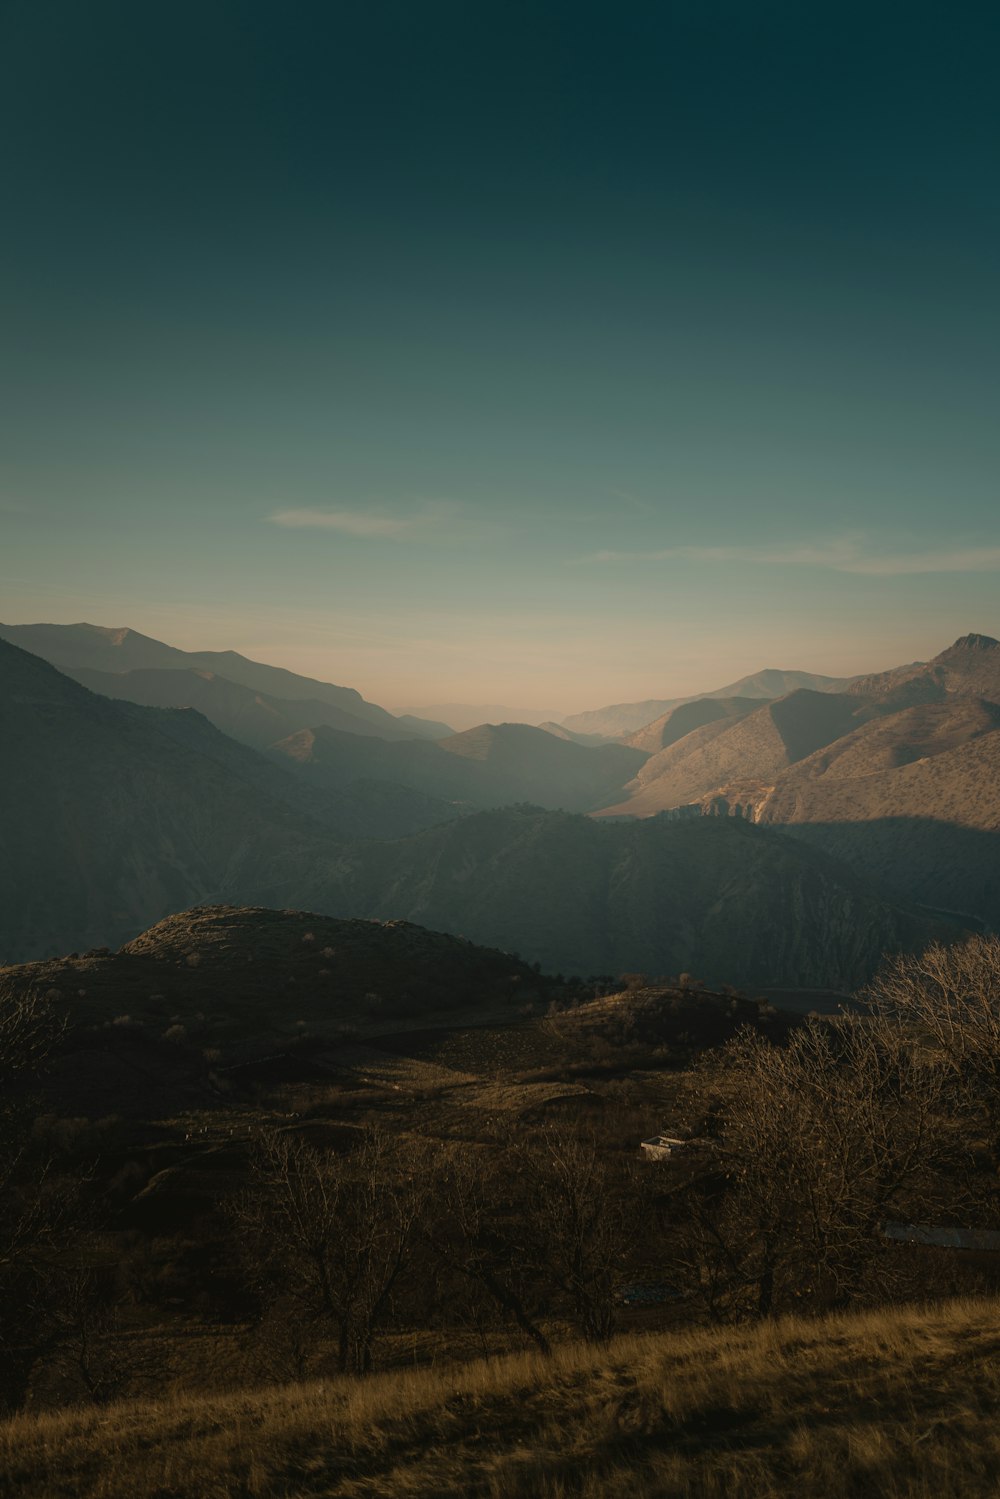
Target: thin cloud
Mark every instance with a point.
(847, 556)
(969, 560)
(367, 524)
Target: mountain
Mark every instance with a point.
(112, 815)
(468, 715)
(484, 767)
(756, 746)
(675, 724)
(86, 647)
(621, 719)
(255, 718)
(905, 788)
(970, 666)
(561, 732)
(913, 800)
(720, 898)
(423, 728)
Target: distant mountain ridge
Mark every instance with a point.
(86, 649)
(486, 766)
(463, 716)
(113, 815)
(256, 718)
(621, 719)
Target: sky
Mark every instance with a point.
(555, 354)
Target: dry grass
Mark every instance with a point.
(889, 1404)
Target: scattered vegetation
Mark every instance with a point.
(468, 1203)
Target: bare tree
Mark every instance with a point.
(35, 1211)
(822, 1140)
(578, 1223)
(329, 1234)
(92, 1354)
(950, 997)
(478, 1233)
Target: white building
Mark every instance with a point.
(661, 1147)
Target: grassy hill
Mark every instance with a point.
(898, 1402)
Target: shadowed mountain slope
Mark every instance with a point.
(620, 719)
(113, 815)
(255, 718)
(719, 898)
(561, 732)
(486, 766)
(80, 647)
(674, 725)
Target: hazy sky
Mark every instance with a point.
(549, 353)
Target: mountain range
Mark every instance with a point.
(621, 719)
(899, 775)
(114, 816)
(467, 715)
(273, 702)
(488, 766)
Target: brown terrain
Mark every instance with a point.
(902, 785)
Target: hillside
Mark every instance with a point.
(912, 800)
(621, 719)
(255, 718)
(561, 773)
(904, 789)
(250, 974)
(757, 747)
(677, 722)
(971, 666)
(113, 815)
(561, 732)
(719, 898)
(487, 766)
(99, 648)
(894, 1401)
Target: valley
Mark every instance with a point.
(329, 1056)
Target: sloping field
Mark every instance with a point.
(893, 1403)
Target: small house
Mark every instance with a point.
(661, 1147)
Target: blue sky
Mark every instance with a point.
(555, 354)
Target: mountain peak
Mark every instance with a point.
(971, 643)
